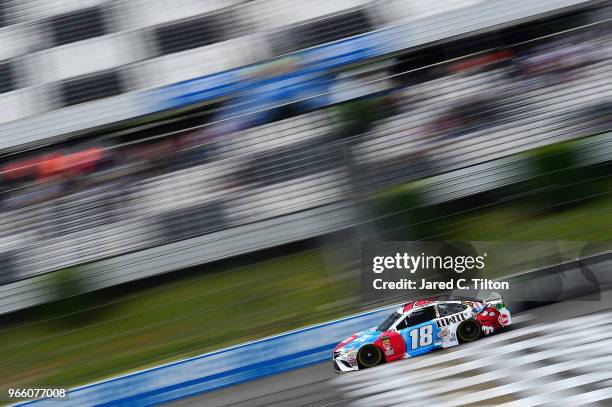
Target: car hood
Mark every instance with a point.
(355, 341)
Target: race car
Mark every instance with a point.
(419, 327)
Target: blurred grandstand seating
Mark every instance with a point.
(123, 46)
(145, 194)
(294, 164)
(530, 112)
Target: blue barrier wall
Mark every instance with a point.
(313, 344)
(222, 368)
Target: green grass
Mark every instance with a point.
(590, 221)
(213, 309)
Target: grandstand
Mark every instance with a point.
(210, 176)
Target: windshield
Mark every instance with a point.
(388, 322)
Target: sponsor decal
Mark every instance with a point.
(453, 319)
(503, 319)
(489, 319)
(444, 332)
(386, 343)
(446, 335)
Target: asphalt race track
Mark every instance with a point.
(556, 355)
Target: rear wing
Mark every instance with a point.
(493, 298)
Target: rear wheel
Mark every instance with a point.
(468, 331)
(369, 356)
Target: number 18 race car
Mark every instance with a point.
(420, 327)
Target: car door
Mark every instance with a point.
(419, 331)
(451, 315)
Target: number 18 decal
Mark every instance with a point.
(422, 336)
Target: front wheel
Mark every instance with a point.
(468, 331)
(369, 356)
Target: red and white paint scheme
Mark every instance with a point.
(419, 327)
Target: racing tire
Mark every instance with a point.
(369, 356)
(468, 331)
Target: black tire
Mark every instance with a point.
(369, 356)
(468, 331)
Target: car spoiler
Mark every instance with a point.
(493, 297)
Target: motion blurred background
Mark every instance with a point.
(180, 176)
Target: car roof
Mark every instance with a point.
(424, 302)
(417, 304)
